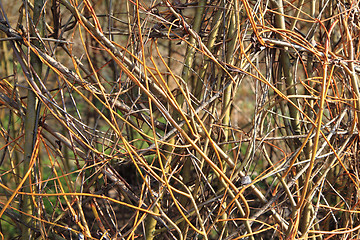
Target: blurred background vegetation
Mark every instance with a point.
(179, 119)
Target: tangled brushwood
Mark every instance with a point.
(174, 119)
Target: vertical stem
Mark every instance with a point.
(286, 70)
(189, 60)
(307, 213)
(291, 90)
(150, 225)
(30, 123)
(190, 51)
(210, 45)
(226, 103)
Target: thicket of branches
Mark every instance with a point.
(179, 120)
